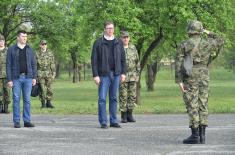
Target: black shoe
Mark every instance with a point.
(28, 125)
(49, 105)
(104, 126)
(115, 125)
(17, 125)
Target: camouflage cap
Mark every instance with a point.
(124, 34)
(43, 41)
(194, 27)
(2, 37)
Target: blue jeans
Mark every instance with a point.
(25, 85)
(108, 83)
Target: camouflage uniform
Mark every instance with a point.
(196, 85)
(46, 74)
(4, 90)
(127, 90)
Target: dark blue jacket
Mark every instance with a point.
(13, 66)
(100, 57)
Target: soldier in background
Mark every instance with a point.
(46, 74)
(127, 90)
(195, 83)
(4, 90)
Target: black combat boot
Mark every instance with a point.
(130, 116)
(202, 132)
(49, 105)
(1, 108)
(123, 117)
(5, 109)
(43, 104)
(194, 138)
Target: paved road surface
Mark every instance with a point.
(81, 135)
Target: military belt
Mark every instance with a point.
(199, 65)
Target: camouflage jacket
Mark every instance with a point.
(207, 50)
(45, 64)
(3, 55)
(132, 64)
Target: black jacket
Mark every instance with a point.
(100, 57)
(13, 66)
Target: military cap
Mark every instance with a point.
(43, 41)
(2, 37)
(124, 34)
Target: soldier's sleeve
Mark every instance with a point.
(178, 63)
(8, 65)
(216, 43)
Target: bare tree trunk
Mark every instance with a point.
(69, 69)
(57, 70)
(145, 57)
(75, 64)
(151, 73)
(138, 86)
(79, 73)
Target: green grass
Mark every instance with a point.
(81, 98)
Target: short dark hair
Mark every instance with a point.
(108, 23)
(21, 31)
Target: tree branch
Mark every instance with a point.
(148, 52)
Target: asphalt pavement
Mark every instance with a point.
(81, 135)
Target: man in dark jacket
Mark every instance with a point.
(21, 75)
(108, 67)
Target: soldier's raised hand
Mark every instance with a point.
(206, 31)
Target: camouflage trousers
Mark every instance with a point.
(196, 97)
(46, 89)
(127, 96)
(4, 92)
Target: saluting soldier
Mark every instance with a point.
(198, 52)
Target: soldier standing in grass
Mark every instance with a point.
(46, 74)
(4, 90)
(127, 90)
(197, 52)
